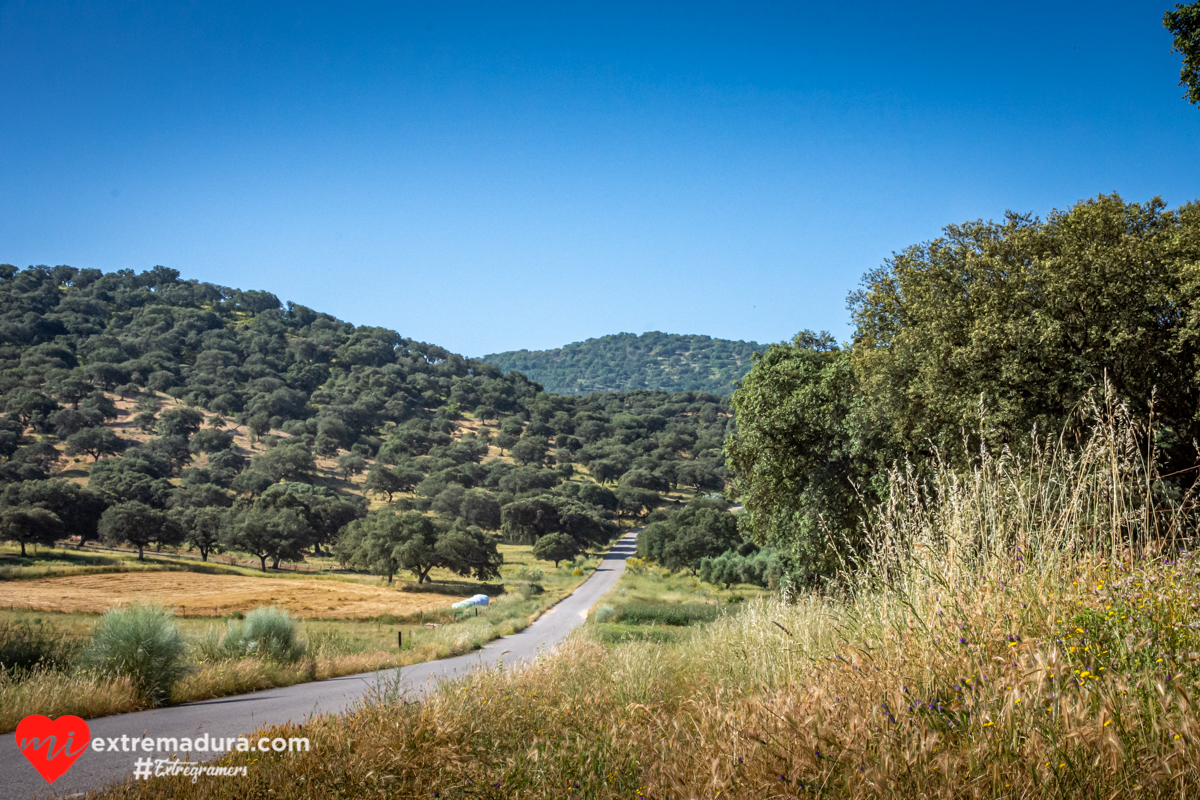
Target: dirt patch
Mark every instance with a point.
(195, 594)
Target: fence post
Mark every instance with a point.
(399, 640)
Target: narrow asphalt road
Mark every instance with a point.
(242, 714)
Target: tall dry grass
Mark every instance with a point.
(1027, 629)
(54, 693)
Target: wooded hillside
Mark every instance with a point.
(178, 410)
(626, 362)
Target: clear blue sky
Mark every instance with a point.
(491, 176)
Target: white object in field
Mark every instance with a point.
(474, 600)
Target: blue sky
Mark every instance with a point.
(494, 176)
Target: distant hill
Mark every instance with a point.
(626, 362)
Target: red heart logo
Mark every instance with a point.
(50, 745)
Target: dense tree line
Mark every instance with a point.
(193, 363)
(978, 338)
(626, 361)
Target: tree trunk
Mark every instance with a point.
(263, 559)
(389, 579)
(22, 549)
(141, 552)
(203, 554)
(275, 563)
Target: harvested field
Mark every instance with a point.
(196, 594)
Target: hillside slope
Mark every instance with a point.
(625, 362)
(182, 395)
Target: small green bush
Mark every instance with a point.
(268, 632)
(529, 590)
(605, 613)
(524, 573)
(139, 642)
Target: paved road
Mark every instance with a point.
(242, 714)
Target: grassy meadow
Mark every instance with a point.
(649, 603)
(1025, 630)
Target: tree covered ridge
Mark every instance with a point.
(339, 433)
(975, 340)
(627, 361)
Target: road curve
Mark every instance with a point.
(241, 714)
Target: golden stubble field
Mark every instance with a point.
(196, 594)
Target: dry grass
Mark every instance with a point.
(55, 693)
(1005, 638)
(197, 594)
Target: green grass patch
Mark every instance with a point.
(640, 612)
(611, 633)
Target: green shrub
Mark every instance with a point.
(529, 590)
(139, 642)
(24, 646)
(763, 568)
(268, 632)
(605, 613)
(524, 573)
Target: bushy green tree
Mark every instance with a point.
(385, 542)
(351, 464)
(139, 525)
(383, 480)
(30, 525)
(467, 550)
(324, 511)
(682, 538)
(1184, 24)
(277, 534)
(77, 508)
(210, 440)
(529, 450)
(556, 547)
(285, 462)
(180, 422)
(481, 509)
(96, 442)
(204, 527)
